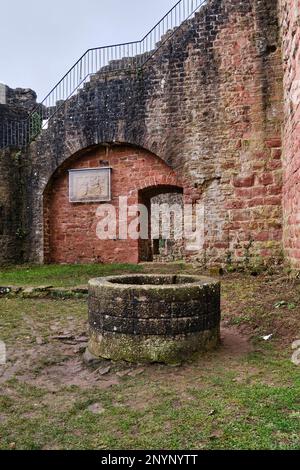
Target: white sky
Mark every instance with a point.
(40, 41)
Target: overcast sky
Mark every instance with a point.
(40, 41)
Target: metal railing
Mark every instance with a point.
(131, 56)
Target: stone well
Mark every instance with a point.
(153, 318)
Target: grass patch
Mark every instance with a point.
(211, 411)
(22, 320)
(61, 275)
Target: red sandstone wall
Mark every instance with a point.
(70, 229)
(209, 104)
(290, 26)
(232, 139)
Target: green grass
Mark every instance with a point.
(208, 410)
(21, 321)
(61, 275)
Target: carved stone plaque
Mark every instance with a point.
(90, 185)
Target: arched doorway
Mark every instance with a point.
(168, 199)
(71, 213)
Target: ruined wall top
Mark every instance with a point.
(24, 98)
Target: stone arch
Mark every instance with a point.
(70, 228)
(146, 195)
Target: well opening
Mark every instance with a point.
(153, 280)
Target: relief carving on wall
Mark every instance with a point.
(90, 185)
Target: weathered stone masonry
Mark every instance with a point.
(290, 26)
(210, 106)
(14, 106)
(12, 235)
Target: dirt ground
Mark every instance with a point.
(60, 363)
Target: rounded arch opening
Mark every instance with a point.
(164, 205)
(71, 225)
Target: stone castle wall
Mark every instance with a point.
(14, 107)
(290, 27)
(209, 104)
(11, 203)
